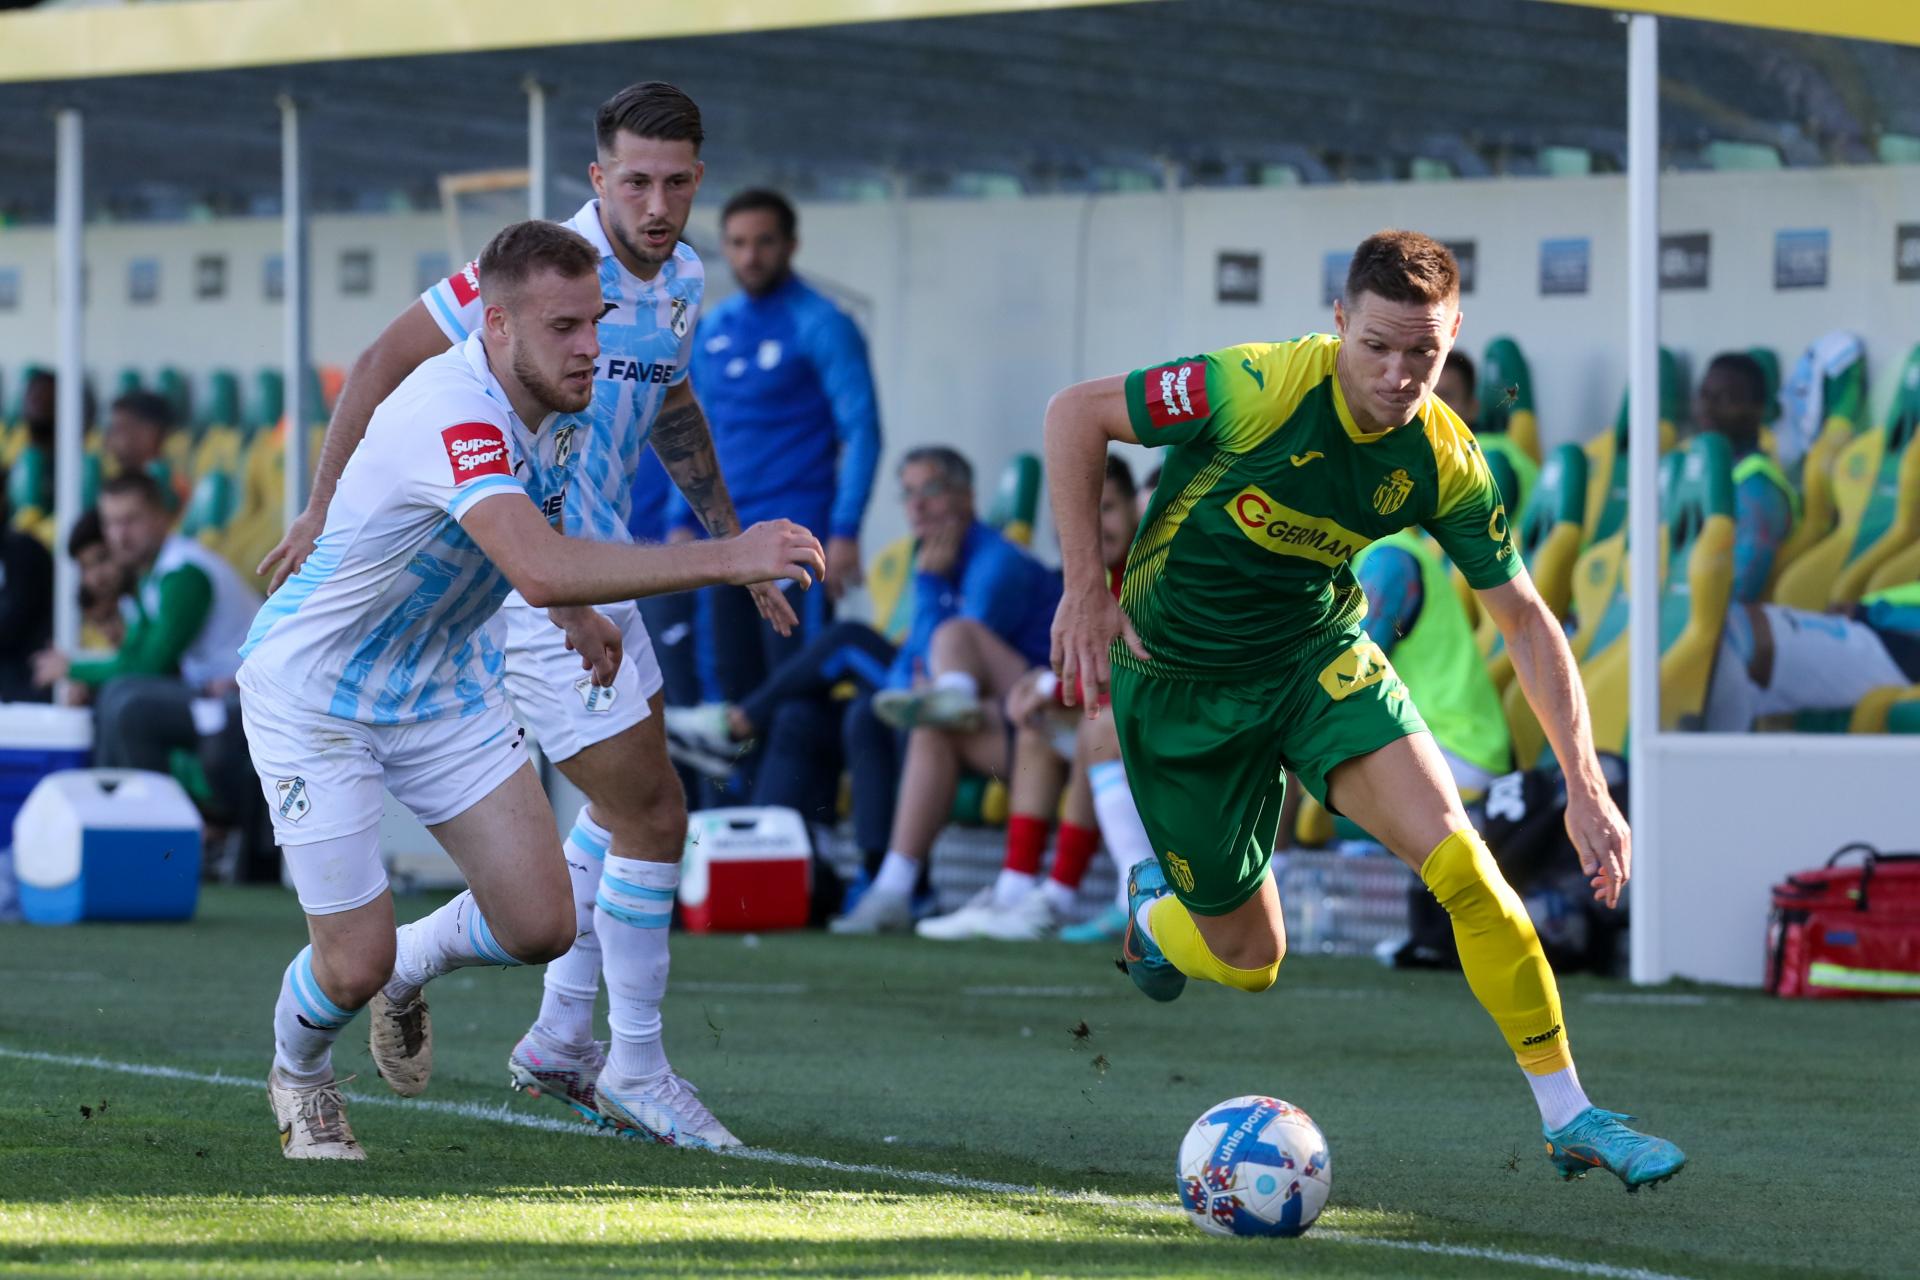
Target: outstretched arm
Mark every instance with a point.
(1545, 669)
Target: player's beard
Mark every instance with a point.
(641, 254)
(553, 395)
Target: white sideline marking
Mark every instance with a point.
(1647, 997)
(504, 1114)
(743, 988)
(1039, 993)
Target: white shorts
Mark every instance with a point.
(552, 693)
(1821, 662)
(323, 778)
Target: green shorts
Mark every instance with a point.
(1207, 760)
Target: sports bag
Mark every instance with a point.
(1849, 930)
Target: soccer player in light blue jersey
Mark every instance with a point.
(378, 667)
(624, 850)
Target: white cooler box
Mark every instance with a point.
(746, 869)
(107, 844)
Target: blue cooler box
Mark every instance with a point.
(107, 844)
(36, 740)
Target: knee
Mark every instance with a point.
(549, 937)
(651, 817)
(954, 642)
(1255, 964)
(350, 977)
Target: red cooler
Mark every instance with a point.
(746, 869)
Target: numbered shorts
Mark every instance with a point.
(325, 778)
(1207, 760)
(553, 694)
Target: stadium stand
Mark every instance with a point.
(1607, 453)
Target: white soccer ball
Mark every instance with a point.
(1254, 1166)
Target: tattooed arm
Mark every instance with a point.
(684, 443)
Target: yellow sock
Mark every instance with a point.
(1500, 951)
(1180, 939)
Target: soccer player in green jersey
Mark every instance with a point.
(1235, 653)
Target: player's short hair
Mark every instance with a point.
(513, 256)
(148, 406)
(950, 463)
(1403, 266)
(1461, 363)
(138, 484)
(86, 533)
(1120, 475)
(763, 199)
(1746, 369)
(651, 109)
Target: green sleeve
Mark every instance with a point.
(1470, 522)
(155, 643)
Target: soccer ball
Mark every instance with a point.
(1254, 1166)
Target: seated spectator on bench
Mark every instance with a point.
(1732, 402)
(982, 617)
(26, 605)
(1777, 661)
(1055, 747)
(136, 438)
(104, 584)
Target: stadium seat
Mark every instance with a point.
(1899, 568)
(1842, 409)
(1548, 535)
(128, 382)
(1607, 453)
(1506, 398)
(1016, 500)
(1876, 496)
(1893, 709)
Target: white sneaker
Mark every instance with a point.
(662, 1110)
(937, 707)
(312, 1119)
(1031, 919)
(699, 738)
(400, 1038)
(876, 912)
(967, 922)
(542, 1067)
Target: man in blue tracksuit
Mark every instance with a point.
(782, 373)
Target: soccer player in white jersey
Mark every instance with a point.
(380, 663)
(624, 850)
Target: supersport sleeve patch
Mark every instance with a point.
(1169, 403)
(454, 303)
(476, 449)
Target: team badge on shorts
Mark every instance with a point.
(595, 697)
(294, 803)
(1179, 872)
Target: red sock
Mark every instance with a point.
(1026, 841)
(1073, 852)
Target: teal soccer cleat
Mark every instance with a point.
(1597, 1139)
(1140, 956)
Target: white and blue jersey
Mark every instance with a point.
(645, 342)
(391, 620)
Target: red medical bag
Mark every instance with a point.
(1847, 930)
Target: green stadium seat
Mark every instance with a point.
(1607, 453)
(128, 382)
(1016, 500)
(1504, 370)
(1548, 535)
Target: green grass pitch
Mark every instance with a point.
(928, 1110)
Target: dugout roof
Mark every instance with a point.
(1044, 97)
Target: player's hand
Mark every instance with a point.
(939, 550)
(593, 636)
(285, 559)
(843, 568)
(771, 601)
(1084, 627)
(770, 551)
(1025, 702)
(1601, 838)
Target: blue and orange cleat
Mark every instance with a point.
(1597, 1139)
(1140, 956)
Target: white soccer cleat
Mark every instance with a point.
(939, 707)
(541, 1067)
(1031, 919)
(699, 738)
(876, 912)
(664, 1110)
(400, 1038)
(312, 1119)
(970, 921)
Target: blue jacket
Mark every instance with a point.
(785, 383)
(994, 582)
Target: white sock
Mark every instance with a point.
(1059, 896)
(1559, 1097)
(897, 875)
(962, 680)
(454, 937)
(631, 914)
(1011, 886)
(573, 981)
(1119, 818)
(1140, 917)
(305, 1024)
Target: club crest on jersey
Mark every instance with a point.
(1177, 393)
(563, 444)
(476, 449)
(680, 314)
(595, 697)
(1393, 491)
(294, 803)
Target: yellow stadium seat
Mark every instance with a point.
(1548, 534)
(1607, 453)
(1817, 510)
(1901, 568)
(1873, 713)
(258, 522)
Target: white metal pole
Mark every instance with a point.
(536, 147)
(70, 394)
(1643, 470)
(293, 221)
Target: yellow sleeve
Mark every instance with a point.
(1469, 520)
(1230, 399)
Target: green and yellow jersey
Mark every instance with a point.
(1268, 491)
